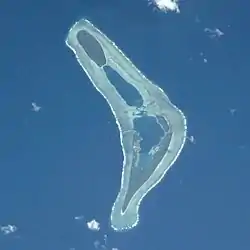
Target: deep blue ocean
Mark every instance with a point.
(66, 160)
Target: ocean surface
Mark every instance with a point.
(61, 166)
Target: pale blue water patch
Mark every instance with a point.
(144, 169)
(150, 132)
(129, 93)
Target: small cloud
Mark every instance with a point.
(35, 107)
(80, 217)
(97, 244)
(197, 19)
(93, 225)
(214, 33)
(232, 111)
(203, 57)
(8, 229)
(166, 5)
(191, 139)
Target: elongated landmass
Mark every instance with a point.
(152, 132)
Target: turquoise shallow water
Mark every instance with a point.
(66, 160)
